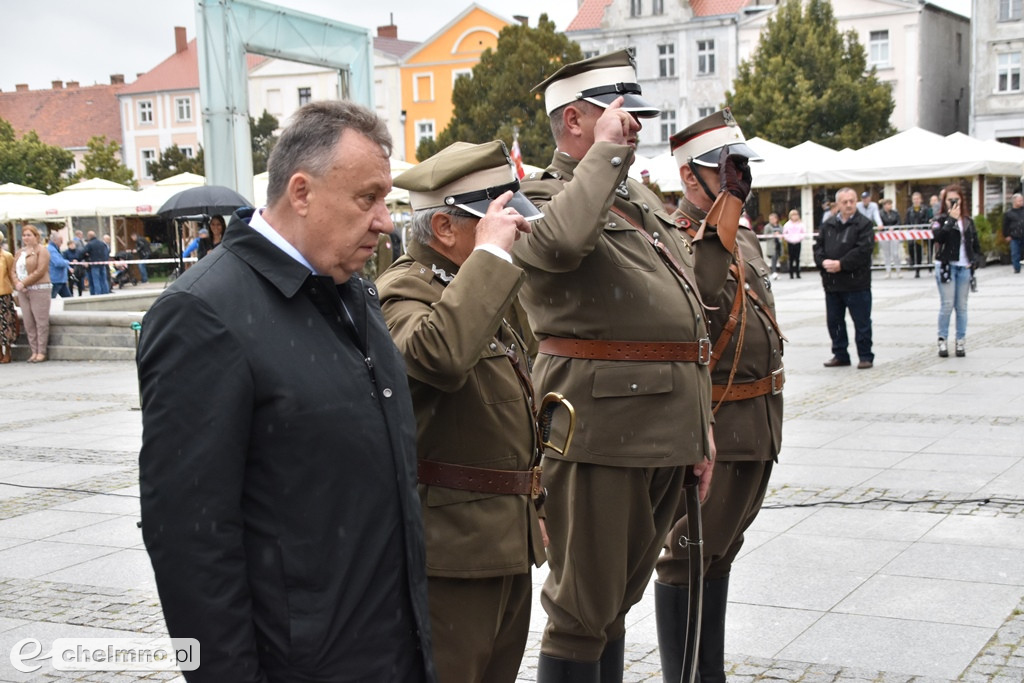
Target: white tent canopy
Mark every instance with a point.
(14, 199)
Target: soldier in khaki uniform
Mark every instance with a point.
(747, 379)
(445, 303)
(611, 294)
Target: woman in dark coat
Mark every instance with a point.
(956, 248)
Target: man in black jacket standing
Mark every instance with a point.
(97, 252)
(1013, 229)
(842, 252)
(278, 463)
(918, 216)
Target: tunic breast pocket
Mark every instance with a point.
(627, 249)
(495, 379)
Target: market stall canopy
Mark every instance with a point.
(93, 197)
(16, 198)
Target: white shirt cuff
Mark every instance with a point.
(496, 250)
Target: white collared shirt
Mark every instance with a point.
(260, 225)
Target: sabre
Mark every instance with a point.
(551, 401)
(694, 544)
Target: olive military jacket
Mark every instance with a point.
(749, 429)
(471, 408)
(591, 275)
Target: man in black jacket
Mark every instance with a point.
(842, 252)
(1013, 229)
(278, 463)
(97, 252)
(918, 216)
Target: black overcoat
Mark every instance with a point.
(278, 474)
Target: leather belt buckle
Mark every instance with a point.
(778, 380)
(537, 492)
(704, 351)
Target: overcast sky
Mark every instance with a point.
(87, 40)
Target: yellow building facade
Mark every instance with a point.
(429, 73)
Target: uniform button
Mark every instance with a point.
(633, 387)
(512, 347)
(746, 285)
(616, 161)
(493, 346)
(646, 208)
(423, 270)
(686, 288)
(387, 392)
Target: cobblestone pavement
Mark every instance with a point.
(68, 397)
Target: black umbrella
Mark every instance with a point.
(198, 204)
(212, 200)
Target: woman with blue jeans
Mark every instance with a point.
(956, 246)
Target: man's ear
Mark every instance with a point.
(688, 177)
(443, 228)
(571, 120)
(298, 193)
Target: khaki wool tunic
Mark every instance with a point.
(591, 275)
(471, 408)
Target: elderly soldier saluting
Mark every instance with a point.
(611, 294)
(445, 303)
(747, 378)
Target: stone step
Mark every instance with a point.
(86, 335)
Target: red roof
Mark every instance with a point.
(394, 46)
(711, 8)
(180, 71)
(589, 16)
(65, 117)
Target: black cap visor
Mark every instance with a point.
(710, 158)
(632, 101)
(478, 202)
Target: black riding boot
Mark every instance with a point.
(554, 670)
(613, 661)
(670, 610)
(711, 657)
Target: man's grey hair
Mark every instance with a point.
(308, 143)
(844, 190)
(55, 237)
(558, 123)
(420, 229)
(1015, 196)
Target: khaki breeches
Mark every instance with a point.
(737, 492)
(479, 627)
(607, 526)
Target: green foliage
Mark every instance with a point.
(263, 139)
(497, 99)
(31, 162)
(808, 81)
(102, 161)
(173, 161)
(990, 233)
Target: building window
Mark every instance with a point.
(183, 108)
(878, 49)
(461, 73)
(705, 57)
(305, 96)
(1008, 72)
(587, 54)
(146, 111)
(148, 156)
(636, 8)
(668, 125)
(705, 111)
(424, 131)
(274, 102)
(658, 7)
(667, 60)
(186, 152)
(1011, 10)
(423, 88)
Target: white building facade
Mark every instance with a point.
(997, 111)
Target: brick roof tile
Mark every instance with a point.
(67, 117)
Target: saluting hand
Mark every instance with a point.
(501, 226)
(734, 174)
(616, 125)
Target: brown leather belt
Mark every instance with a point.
(595, 349)
(480, 480)
(739, 392)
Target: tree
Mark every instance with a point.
(497, 99)
(103, 161)
(263, 139)
(173, 161)
(31, 162)
(808, 81)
